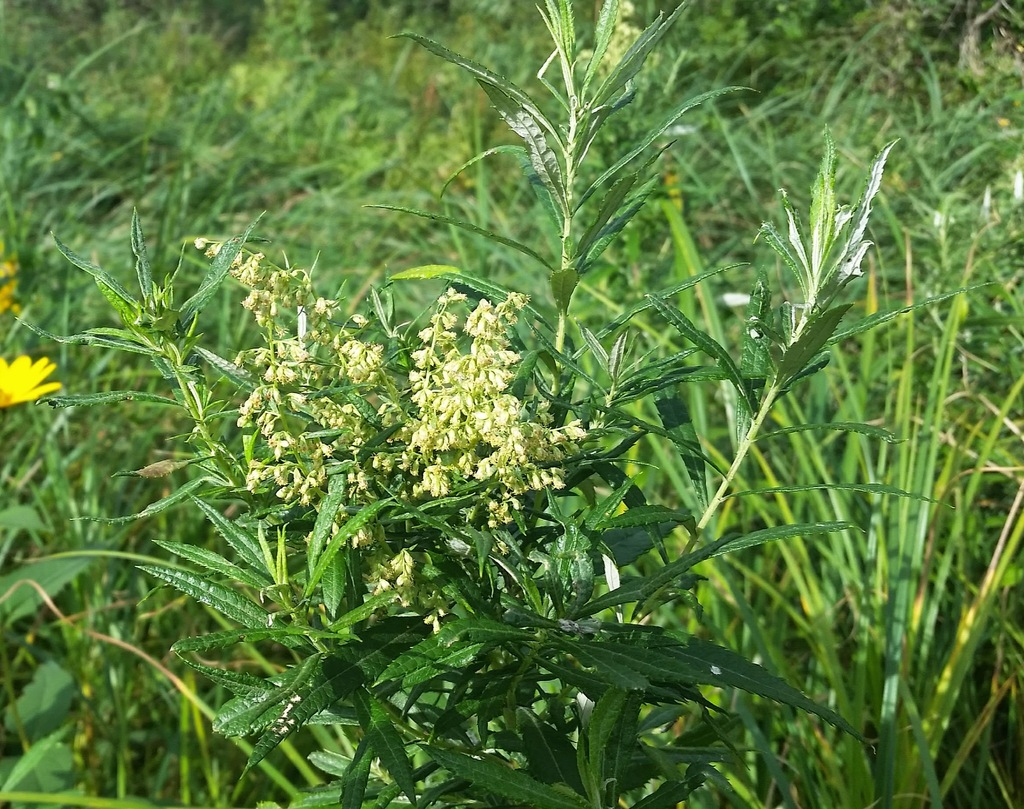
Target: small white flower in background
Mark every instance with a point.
(1018, 186)
(939, 220)
(986, 204)
(734, 299)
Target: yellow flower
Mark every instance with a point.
(21, 380)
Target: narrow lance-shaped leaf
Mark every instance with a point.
(514, 785)
(126, 306)
(816, 334)
(706, 343)
(328, 682)
(823, 207)
(177, 496)
(343, 534)
(482, 74)
(634, 58)
(143, 269)
(228, 602)
(219, 268)
(606, 22)
(385, 741)
(542, 158)
(648, 139)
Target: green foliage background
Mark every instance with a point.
(204, 115)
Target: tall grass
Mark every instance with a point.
(909, 628)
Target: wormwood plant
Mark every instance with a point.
(433, 529)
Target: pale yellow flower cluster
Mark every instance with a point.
(328, 401)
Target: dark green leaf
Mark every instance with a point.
(118, 297)
(430, 658)
(498, 779)
(237, 376)
(219, 269)
(228, 602)
(651, 136)
(605, 27)
(209, 560)
(307, 693)
(179, 495)
(633, 60)
(326, 514)
(483, 75)
(542, 159)
(839, 426)
(89, 399)
(706, 343)
(343, 534)
(142, 266)
(384, 740)
(18, 598)
(817, 333)
(244, 543)
(675, 418)
(549, 754)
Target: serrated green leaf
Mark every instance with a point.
(884, 317)
(542, 158)
(426, 272)
(865, 488)
(124, 304)
(648, 301)
(343, 534)
(326, 681)
(238, 683)
(90, 399)
(430, 658)
(228, 602)
(243, 542)
(549, 754)
(675, 418)
(515, 785)
(179, 495)
(518, 151)
(289, 636)
(604, 718)
(817, 333)
(563, 284)
(468, 226)
(648, 139)
(647, 515)
(672, 793)
(838, 426)
(219, 269)
(483, 75)
(714, 665)
(633, 60)
(384, 740)
(605, 27)
(618, 739)
(608, 232)
(209, 560)
(353, 784)
(244, 715)
(94, 337)
(237, 376)
(143, 269)
(706, 343)
(326, 514)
